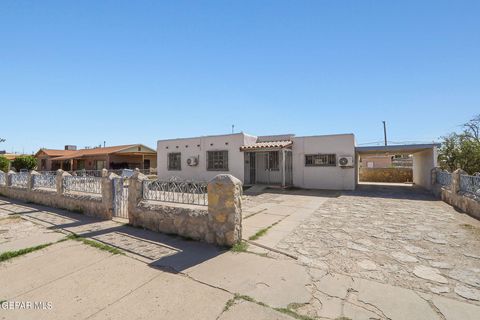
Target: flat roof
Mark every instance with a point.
(399, 148)
(207, 136)
(326, 135)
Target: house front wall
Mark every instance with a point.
(323, 177)
(198, 147)
(315, 177)
(44, 163)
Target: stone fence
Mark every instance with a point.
(447, 186)
(399, 175)
(92, 204)
(220, 222)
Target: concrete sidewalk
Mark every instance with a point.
(158, 275)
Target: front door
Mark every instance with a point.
(268, 167)
(249, 165)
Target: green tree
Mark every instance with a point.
(462, 150)
(4, 164)
(24, 162)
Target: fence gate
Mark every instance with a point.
(120, 197)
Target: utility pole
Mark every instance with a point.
(385, 132)
(233, 127)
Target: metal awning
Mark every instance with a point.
(402, 148)
(267, 145)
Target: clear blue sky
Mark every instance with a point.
(84, 72)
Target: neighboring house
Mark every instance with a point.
(13, 156)
(319, 162)
(376, 161)
(116, 157)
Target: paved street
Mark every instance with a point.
(376, 253)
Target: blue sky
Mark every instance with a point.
(84, 72)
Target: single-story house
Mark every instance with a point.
(317, 162)
(311, 162)
(116, 157)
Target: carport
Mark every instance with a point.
(424, 159)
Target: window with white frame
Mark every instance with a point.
(217, 160)
(174, 161)
(320, 160)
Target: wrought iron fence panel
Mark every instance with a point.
(3, 178)
(51, 173)
(98, 173)
(20, 179)
(87, 173)
(45, 180)
(188, 192)
(444, 178)
(470, 184)
(82, 184)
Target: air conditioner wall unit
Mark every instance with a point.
(345, 161)
(192, 161)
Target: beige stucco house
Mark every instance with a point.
(315, 162)
(320, 162)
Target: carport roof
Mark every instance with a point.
(400, 148)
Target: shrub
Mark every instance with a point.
(4, 164)
(24, 162)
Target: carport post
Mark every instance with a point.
(283, 168)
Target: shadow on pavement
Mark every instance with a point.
(296, 192)
(167, 252)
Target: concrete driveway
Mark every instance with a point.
(379, 238)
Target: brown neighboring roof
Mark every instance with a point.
(267, 145)
(12, 156)
(92, 152)
(55, 153)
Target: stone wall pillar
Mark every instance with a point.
(59, 180)
(455, 187)
(135, 193)
(225, 210)
(31, 178)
